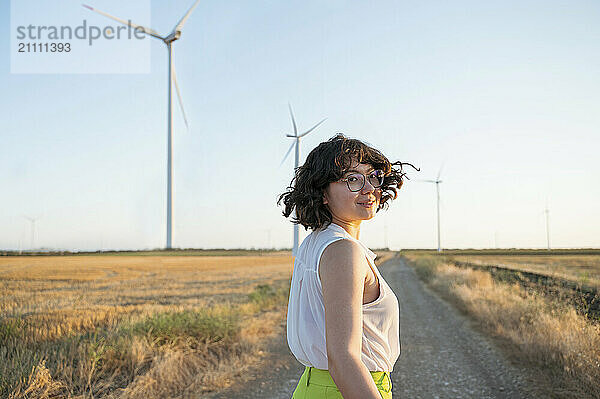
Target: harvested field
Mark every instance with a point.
(117, 326)
(562, 277)
(540, 331)
(32, 285)
(583, 269)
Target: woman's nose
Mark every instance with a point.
(368, 187)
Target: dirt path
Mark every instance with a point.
(442, 355)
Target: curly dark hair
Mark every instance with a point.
(327, 163)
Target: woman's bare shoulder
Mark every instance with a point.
(342, 256)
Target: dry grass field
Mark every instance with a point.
(135, 326)
(584, 269)
(545, 334)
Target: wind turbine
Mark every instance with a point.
(547, 212)
(32, 220)
(296, 143)
(437, 182)
(172, 78)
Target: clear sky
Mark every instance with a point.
(505, 94)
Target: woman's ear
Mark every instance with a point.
(325, 200)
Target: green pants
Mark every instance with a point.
(318, 384)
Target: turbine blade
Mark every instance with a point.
(293, 120)
(287, 153)
(147, 31)
(424, 181)
(312, 128)
(179, 26)
(440, 171)
(179, 97)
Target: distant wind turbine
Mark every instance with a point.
(547, 212)
(172, 78)
(32, 220)
(296, 143)
(437, 182)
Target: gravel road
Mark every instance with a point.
(442, 356)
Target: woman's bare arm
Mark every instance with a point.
(342, 271)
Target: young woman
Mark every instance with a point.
(343, 318)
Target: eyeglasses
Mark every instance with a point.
(356, 181)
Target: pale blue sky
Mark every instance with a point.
(505, 93)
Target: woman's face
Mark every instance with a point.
(347, 206)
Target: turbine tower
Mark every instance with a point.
(437, 182)
(296, 144)
(547, 212)
(172, 80)
(32, 220)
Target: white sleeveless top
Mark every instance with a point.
(306, 311)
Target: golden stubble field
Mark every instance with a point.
(62, 318)
(584, 269)
(539, 331)
(77, 291)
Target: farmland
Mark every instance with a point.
(584, 269)
(176, 324)
(118, 326)
(535, 320)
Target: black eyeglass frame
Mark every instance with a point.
(364, 180)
